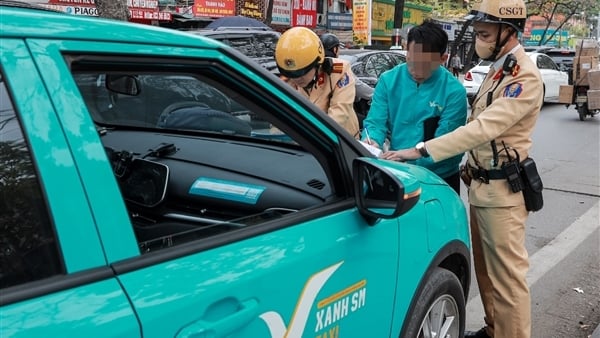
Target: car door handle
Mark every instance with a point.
(247, 311)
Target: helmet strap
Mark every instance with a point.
(499, 46)
(309, 86)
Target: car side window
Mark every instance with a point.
(382, 62)
(398, 59)
(544, 62)
(28, 245)
(193, 154)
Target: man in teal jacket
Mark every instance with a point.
(419, 100)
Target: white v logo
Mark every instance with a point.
(312, 287)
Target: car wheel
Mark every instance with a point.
(583, 111)
(439, 310)
(544, 95)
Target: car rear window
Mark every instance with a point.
(561, 56)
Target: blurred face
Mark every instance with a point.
(305, 79)
(422, 64)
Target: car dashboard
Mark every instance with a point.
(181, 187)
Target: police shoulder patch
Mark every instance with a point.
(337, 67)
(343, 81)
(513, 90)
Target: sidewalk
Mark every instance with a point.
(596, 333)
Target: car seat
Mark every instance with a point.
(194, 115)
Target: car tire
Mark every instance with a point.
(439, 310)
(582, 110)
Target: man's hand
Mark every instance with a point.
(371, 143)
(401, 155)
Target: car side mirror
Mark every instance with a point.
(378, 192)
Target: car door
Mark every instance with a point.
(551, 76)
(54, 280)
(321, 271)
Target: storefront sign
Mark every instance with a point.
(143, 4)
(560, 39)
(251, 9)
(148, 14)
(214, 8)
(282, 12)
(361, 22)
(304, 13)
(74, 10)
(339, 21)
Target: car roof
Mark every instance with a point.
(233, 32)
(51, 25)
(359, 52)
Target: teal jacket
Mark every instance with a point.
(400, 106)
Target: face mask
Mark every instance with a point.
(484, 49)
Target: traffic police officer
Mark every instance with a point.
(498, 133)
(364, 92)
(327, 82)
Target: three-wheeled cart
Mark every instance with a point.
(584, 104)
(584, 92)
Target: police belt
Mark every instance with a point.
(484, 175)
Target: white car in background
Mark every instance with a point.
(552, 77)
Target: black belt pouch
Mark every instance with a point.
(532, 191)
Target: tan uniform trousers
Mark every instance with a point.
(501, 264)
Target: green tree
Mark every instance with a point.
(557, 13)
(113, 9)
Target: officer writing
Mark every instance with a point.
(498, 131)
(327, 82)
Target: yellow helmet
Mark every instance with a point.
(298, 51)
(511, 12)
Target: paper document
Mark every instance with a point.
(374, 150)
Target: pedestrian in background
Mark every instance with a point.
(419, 100)
(455, 64)
(497, 135)
(327, 82)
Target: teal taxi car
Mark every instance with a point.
(159, 184)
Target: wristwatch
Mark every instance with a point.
(422, 150)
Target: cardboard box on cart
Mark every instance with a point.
(593, 99)
(581, 66)
(587, 47)
(565, 94)
(594, 79)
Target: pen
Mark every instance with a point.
(367, 135)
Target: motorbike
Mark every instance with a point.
(581, 102)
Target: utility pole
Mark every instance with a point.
(398, 17)
(598, 27)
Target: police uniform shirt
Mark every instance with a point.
(334, 94)
(510, 117)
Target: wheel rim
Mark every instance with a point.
(442, 319)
